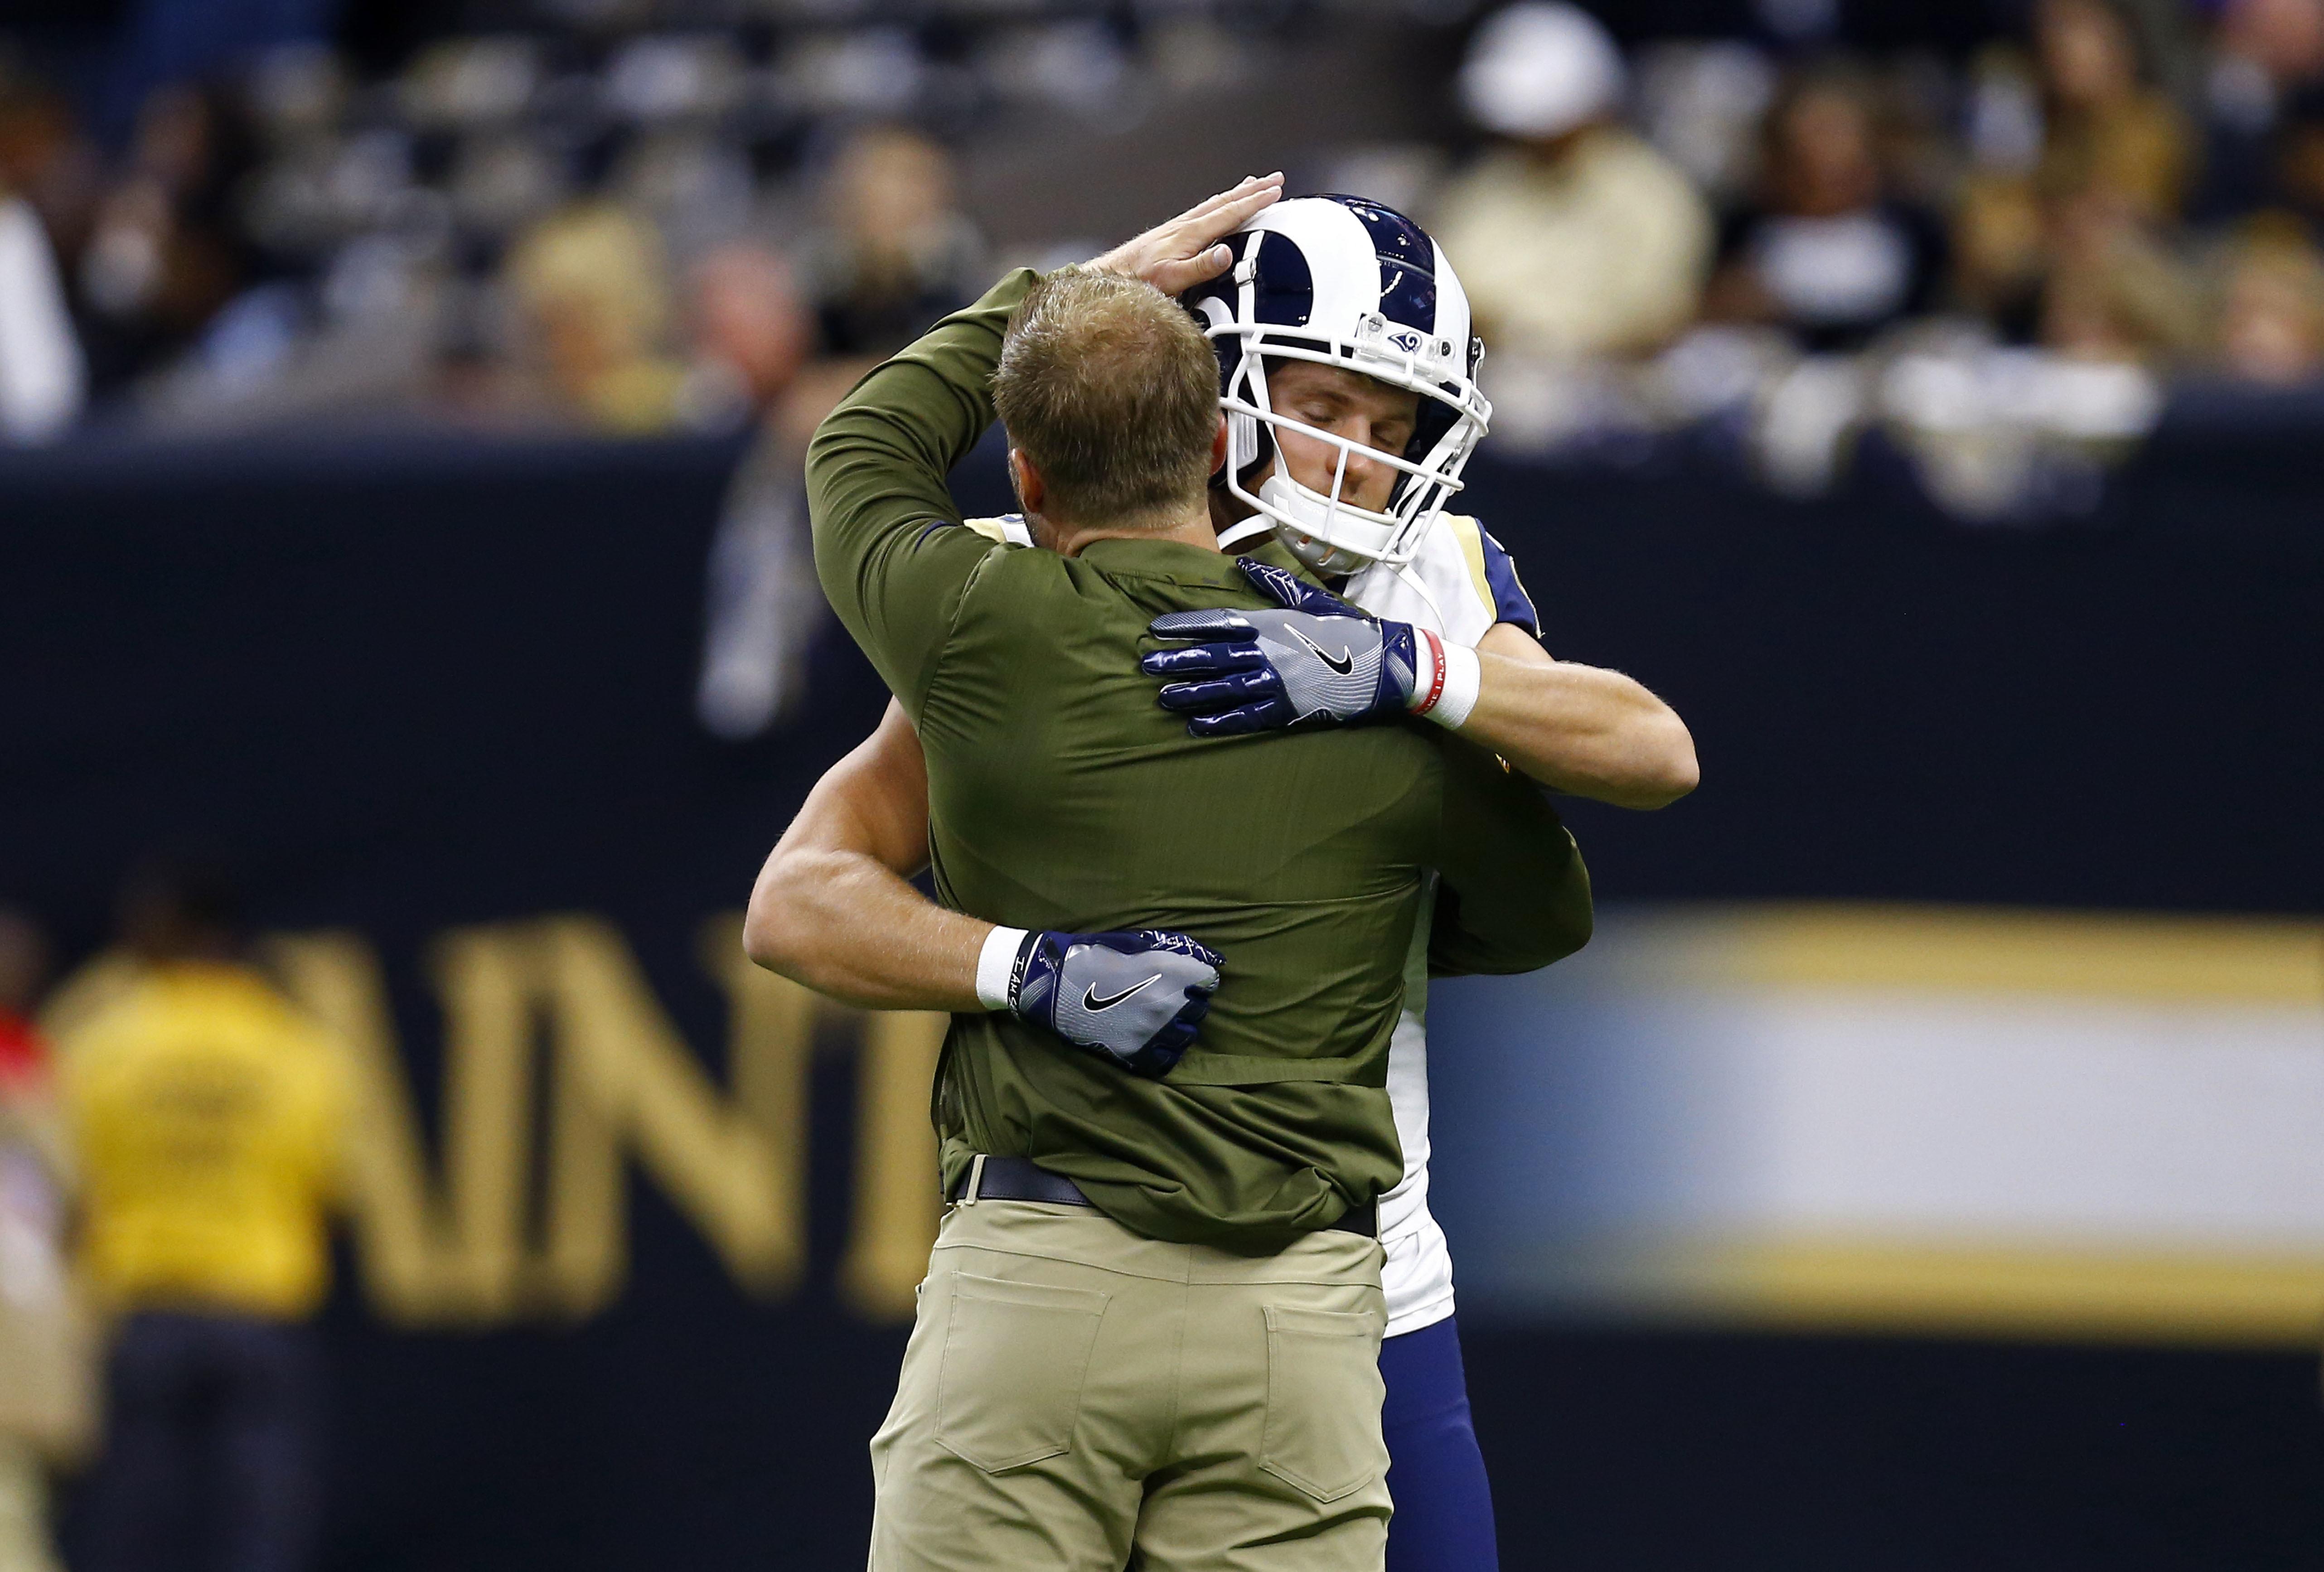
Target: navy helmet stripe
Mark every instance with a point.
(1407, 262)
(1282, 294)
(1285, 292)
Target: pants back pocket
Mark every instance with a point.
(1015, 1356)
(1323, 1393)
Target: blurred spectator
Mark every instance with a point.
(2114, 294)
(764, 603)
(894, 253)
(1701, 101)
(2000, 250)
(592, 287)
(2039, 248)
(166, 249)
(209, 1119)
(541, 221)
(162, 41)
(2109, 134)
(1574, 237)
(2271, 322)
(749, 331)
(45, 1407)
(45, 156)
(40, 369)
(2113, 172)
(2300, 159)
(48, 176)
(1824, 253)
(2267, 52)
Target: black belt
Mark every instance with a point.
(1021, 1178)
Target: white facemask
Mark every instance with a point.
(1327, 536)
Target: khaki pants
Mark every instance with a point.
(1074, 1395)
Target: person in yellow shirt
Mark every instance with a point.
(208, 1116)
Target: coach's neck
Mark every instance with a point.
(1067, 540)
(1188, 525)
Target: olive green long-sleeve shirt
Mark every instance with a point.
(1061, 795)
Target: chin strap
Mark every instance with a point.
(1249, 369)
(1250, 529)
(1413, 581)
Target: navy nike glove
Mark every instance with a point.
(1316, 662)
(1134, 998)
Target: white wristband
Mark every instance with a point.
(996, 966)
(1464, 675)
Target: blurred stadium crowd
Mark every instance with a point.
(652, 216)
(655, 216)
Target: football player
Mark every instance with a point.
(1348, 377)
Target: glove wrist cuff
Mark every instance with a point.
(996, 967)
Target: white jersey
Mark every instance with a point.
(1457, 585)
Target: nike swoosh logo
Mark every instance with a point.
(1343, 663)
(1092, 1003)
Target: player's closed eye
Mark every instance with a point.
(1324, 416)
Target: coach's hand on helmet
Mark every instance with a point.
(1134, 999)
(1316, 662)
(1175, 257)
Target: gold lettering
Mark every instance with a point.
(402, 1248)
(620, 1082)
(771, 1053)
(627, 1079)
(772, 1037)
(897, 1200)
(485, 981)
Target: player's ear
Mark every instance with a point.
(1218, 446)
(1031, 493)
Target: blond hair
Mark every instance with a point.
(1110, 391)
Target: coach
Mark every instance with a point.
(1151, 1323)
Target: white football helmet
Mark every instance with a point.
(1343, 282)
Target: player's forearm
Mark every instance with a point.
(846, 925)
(1583, 730)
(832, 907)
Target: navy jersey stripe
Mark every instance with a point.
(1510, 601)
